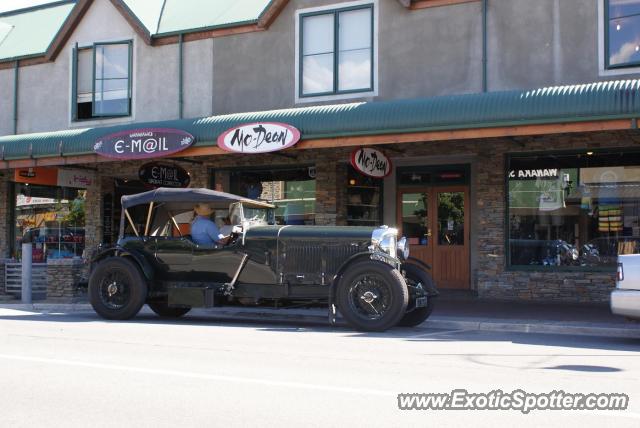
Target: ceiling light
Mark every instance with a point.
(618, 27)
(589, 153)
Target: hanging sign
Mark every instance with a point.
(143, 143)
(158, 174)
(371, 162)
(260, 137)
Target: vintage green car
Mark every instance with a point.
(365, 273)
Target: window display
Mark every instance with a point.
(291, 190)
(573, 209)
(52, 218)
(364, 199)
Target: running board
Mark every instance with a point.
(193, 297)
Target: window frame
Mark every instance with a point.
(506, 224)
(335, 11)
(607, 52)
(74, 83)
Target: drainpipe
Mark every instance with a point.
(180, 76)
(15, 98)
(484, 45)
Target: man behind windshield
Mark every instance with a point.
(203, 230)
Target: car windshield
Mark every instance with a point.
(241, 214)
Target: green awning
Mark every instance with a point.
(561, 104)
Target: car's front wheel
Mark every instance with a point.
(372, 296)
(117, 289)
(163, 309)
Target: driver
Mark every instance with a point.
(203, 230)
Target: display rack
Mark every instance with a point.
(364, 199)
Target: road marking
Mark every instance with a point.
(194, 375)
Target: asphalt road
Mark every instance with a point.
(78, 370)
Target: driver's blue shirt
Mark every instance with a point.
(204, 231)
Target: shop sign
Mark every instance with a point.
(157, 174)
(533, 174)
(260, 137)
(76, 178)
(371, 162)
(143, 143)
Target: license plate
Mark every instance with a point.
(421, 302)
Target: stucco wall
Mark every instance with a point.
(6, 101)
(422, 53)
(198, 78)
(43, 101)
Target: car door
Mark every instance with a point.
(216, 264)
(174, 257)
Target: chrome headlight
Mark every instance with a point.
(384, 239)
(403, 248)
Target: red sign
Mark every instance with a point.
(260, 137)
(371, 162)
(143, 143)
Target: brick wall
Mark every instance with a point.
(63, 277)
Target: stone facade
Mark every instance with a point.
(63, 277)
(4, 214)
(3, 290)
(491, 278)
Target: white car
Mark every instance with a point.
(625, 299)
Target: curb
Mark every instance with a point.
(437, 322)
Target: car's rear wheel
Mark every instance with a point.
(117, 289)
(372, 296)
(163, 309)
(415, 276)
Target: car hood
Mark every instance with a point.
(311, 232)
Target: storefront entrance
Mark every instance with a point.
(435, 221)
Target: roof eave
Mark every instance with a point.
(271, 12)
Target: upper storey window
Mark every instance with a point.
(336, 51)
(623, 33)
(102, 81)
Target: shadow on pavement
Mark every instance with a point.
(422, 335)
(581, 368)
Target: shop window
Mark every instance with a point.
(336, 51)
(102, 81)
(364, 199)
(291, 190)
(574, 210)
(52, 218)
(622, 33)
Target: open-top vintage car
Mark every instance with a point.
(363, 272)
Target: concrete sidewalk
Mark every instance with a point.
(448, 314)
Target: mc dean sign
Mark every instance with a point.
(260, 137)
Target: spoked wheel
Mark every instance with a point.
(163, 309)
(417, 277)
(372, 296)
(117, 289)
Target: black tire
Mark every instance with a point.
(165, 311)
(117, 289)
(383, 285)
(414, 275)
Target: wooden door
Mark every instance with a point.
(451, 237)
(435, 220)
